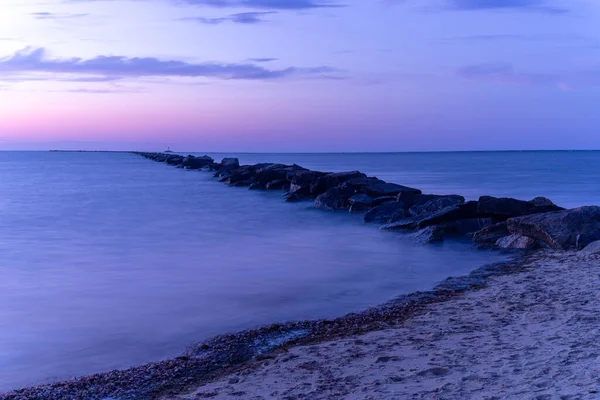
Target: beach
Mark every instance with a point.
(531, 335)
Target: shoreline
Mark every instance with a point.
(225, 354)
(531, 335)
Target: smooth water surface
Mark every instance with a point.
(110, 260)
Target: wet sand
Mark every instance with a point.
(533, 335)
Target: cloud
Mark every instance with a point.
(504, 73)
(105, 68)
(248, 18)
(524, 5)
(253, 4)
(263, 60)
(266, 4)
(54, 16)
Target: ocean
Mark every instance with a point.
(109, 260)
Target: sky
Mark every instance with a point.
(300, 75)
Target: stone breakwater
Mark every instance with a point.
(491, 222)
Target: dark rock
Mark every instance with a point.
(431, 234)
(301, 182)
(387, 212)
(191, 162)
(504, 208)
(335, 198)
(560, 230)
(516, 242)
(174, 160)
(230, 163)
(472, 225)
(272, 173)
(445, 216)
(490, 235)
(380, 188)
(544, 202)
(241, 176)
(435, 205)
(278, 184)
(362, 202)
(332, 180)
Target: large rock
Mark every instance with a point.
(274, 176)
(561, 230)
(592, 248)
(431, 234)
(516, 242)
(504, 207)
(241, 176)
(174, 160)
(301, 182)
(335, 198)
(332, 180)
(380, 188)
(192, 162)
(386, 212)
(230, 163)
(362, 202)
(488, 236)
(471, 225)
(435, 205)
(443, 217)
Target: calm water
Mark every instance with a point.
(110, 260)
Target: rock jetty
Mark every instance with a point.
(491, 222)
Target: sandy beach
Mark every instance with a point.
(533, 335)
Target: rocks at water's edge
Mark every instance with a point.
(516, 242)
(491, 222)
(560, 230)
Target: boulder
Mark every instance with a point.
(431, 234)
(326, 182)
(245, 174)
(505, 207)
(560, 230)
(544, 202)
(443, 217)
(278, 184)
(174, 160)
(516, 242)
(488, 236)
(387, 212)
(435, 205)
(335, 198)
(379, 188)
(301, 182)
(191, 162)
(471, 225)
(362, 202)
(592, 248)
(230, 163)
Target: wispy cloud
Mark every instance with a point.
(553, 39)
(253, 4)
(248, 18)
(55, 16)
(263, 60)
(504, 73)
(105, 68)
(542, 6)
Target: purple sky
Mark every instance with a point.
(300, 75)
